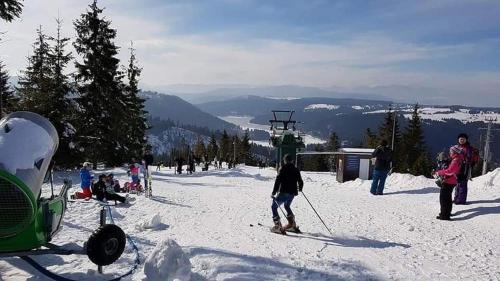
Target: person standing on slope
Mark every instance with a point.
(449, 177)
(287, 184)
(383, 155)
(471, 156)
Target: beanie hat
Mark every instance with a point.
(463, 135)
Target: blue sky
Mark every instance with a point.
(448, 48)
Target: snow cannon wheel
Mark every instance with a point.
(106, 244)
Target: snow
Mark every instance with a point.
(357, 150)
(167, 262)
(357, 107)
(321, 106)
(443, 114)
(204, 220)
(152, 223)
(23, 145)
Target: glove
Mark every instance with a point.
(272, 196)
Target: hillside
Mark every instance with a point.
(349, 118)
(178, 110)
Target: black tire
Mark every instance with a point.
(106, 244)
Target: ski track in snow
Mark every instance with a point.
(390, 237)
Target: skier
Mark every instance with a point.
(471, 157)
(287, 184)
(449, 180)
(383, 155)
(86, 180)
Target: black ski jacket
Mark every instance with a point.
(148, 159)
(287, 180)
(384, 158)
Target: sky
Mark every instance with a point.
(447, 50)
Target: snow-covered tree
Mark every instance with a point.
(102, 102)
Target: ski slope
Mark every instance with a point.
(197, 227)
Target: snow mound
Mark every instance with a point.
(152, 223)
(23, 145)
(167, 262)
(408, 181)
(489, 180)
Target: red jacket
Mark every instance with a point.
(450, 174)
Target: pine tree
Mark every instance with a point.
(10, 9)
(225, 146)
(36, 82)
(213, 148)
(333, 142)
(415, 157)
(8, 102)
(44, 88)
(134, 129)
(386, 132)
(102, 98)
(370, 139)
(244, 148)
(63, 109)
(200, 149)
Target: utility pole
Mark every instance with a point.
(393, 129)
(234, 152)
(486, 155)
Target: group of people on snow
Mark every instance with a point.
(107, 187)
(452, 170)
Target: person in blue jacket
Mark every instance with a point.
(86, 180)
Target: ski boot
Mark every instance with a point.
(277, 228)
(291, 226)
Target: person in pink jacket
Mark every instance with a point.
(449, 177)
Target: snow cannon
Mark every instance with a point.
(28, 221)
(27, 143)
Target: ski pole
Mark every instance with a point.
(317, 214)
(275, 202)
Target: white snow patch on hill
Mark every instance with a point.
(443, 114)
(321, 106)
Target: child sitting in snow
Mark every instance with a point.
(115, 183)
(86, 179)
(109, 191)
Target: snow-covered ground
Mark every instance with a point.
(198, 227)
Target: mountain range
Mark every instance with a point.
(319, 116)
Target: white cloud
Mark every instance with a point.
(365, 60)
